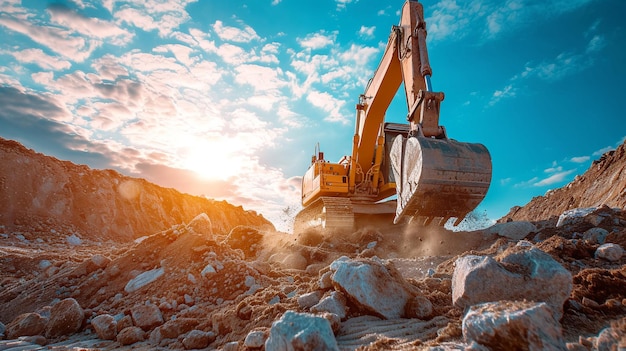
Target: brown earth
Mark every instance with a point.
(604, 183)
(40, 191)
(256, 273)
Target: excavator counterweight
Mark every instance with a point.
(430, 175)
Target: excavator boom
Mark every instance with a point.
(432, 176)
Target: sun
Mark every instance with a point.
(212, 161)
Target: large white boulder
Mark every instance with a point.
(370, 285)
(301, 331)
(521, 274)
(513, 325)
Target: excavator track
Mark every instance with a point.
(328, 213)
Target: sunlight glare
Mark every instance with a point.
(213, 160)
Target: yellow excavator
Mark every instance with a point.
(400, 172)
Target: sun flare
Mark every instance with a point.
(213, 161)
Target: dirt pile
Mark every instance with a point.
(604, 183)
(189, 285)
(40, 193)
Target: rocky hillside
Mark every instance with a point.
(42, 193)
(519, 285)
(604, 183)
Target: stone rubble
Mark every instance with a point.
(509, 325)
(520, 273)
(301, 331)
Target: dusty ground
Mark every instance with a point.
(257, 274)
(283, 269)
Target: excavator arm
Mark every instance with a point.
(433, 176)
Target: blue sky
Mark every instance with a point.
(227, 99)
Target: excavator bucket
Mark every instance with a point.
(438, 178)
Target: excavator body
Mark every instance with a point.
(397, 172)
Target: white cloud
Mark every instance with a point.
(201, 39)
(90, 27)
(238, 35)
(182, 53)
(580, 159)
(56, 39)
(260, 77)
(596, 43)
(554, 169)
(605, 149)
(507, 92)
(41, 59)
(553, 179)
(367, 32)
(328, 104)
(563, 65)
(361, 55)
(163, 16)
(489, 19)
(318, 40)
(341, 4)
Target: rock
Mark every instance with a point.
(25, 325)
(175, 327)
(35, 339)
(608, 338)
(155, 337)
(512, 230)
(513, 325)
(574, 346)
(3, 329)
(131, 335)
(198, 339)
(143, 279)
(231, 346)
(301, 331)
(146, 317)
(105, 326)
(294, 261)
(609, 252)
(418, 307)
(74, 240)
(595, 235)
(325, 281)
(66, 318)
(201, 224)
(587, 302)
(91, 265)
(100, 261)
(309, 299)
(522, 274)
(247, 239)
(574, 216)
(123, 322)
(334, 303)
(208, 270)
(255, 339)
(370, 285)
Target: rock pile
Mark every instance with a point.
(557, 283)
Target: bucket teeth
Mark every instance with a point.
(439, 178)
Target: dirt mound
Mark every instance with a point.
(222, 279)
(604, 183)
(45, 197)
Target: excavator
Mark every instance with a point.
(397, 172)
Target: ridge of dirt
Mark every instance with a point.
(41, 193)
(229, 274)
(604, 183)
